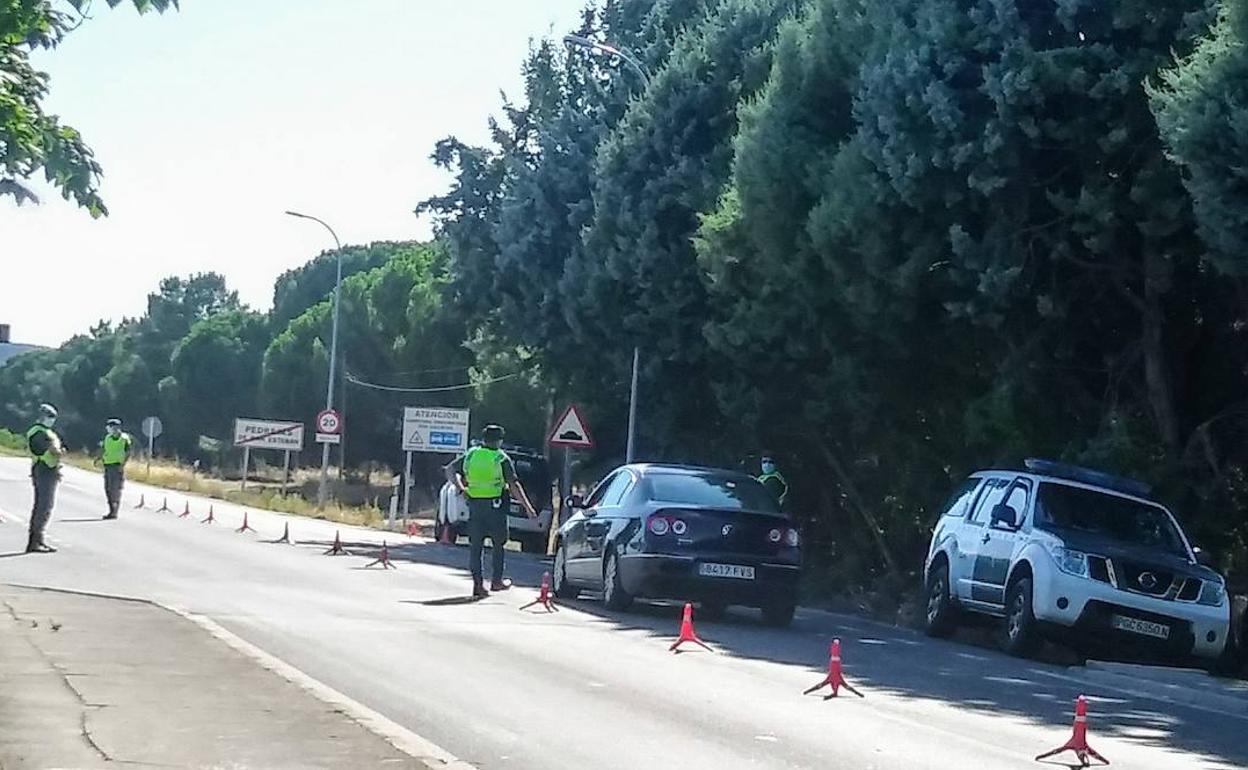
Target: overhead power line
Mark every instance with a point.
(351, 378)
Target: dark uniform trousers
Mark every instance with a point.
(114, 480)
(45, 481)
(487, 517)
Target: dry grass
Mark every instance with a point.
(170, 475)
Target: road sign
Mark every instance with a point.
(152, 427)
(328, 421)
(571, 431)
(435, 429)
(268, 434)
(328, 438)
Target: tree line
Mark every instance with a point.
(890, 243)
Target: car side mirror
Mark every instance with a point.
(1204, 558)
(573, 502)
(1004, 516)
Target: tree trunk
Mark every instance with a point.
(857, 503)
(1156, 370)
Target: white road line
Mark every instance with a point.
(427, 752)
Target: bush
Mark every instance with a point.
(12, 442)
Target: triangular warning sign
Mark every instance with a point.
(571, 431)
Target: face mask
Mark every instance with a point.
(114, 431)
(769, 467)
(48, 422)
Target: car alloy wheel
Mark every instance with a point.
(941, 615)
(559, 579)
(1022, 637)
(613, 594)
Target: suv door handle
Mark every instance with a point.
(987, 536)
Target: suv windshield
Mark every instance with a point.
(712, 491)
(1063, 507)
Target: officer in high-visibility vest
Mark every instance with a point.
(484, 474)
(114, 454)
(773, 480)
(45, 474)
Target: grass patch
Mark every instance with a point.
(180, 478)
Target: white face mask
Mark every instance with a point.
(769, 467)
(48, 422)
(114, 431)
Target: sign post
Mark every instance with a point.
(572, 433)
(267, 434)
(152, 427)
(407, 487)
(286, 473)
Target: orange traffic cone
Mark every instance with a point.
(186, 510)
(246, 527)
(412, 529)
(836, 675)
(384, 560)
(142, 501)
(212, 517)
(285, 539)
(447, 539)
(687, 634)
(543, 597)
(1078, 742)
(164, 507)
(336, 549)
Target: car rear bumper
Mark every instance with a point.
(1195, 630)
(664, 576)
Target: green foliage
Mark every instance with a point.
(30, 139)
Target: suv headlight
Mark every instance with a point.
(1070, 561)
(1212, 593)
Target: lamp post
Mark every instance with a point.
(322, 490)
(578, 41)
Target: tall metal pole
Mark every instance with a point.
(578, 41)
(322, 492)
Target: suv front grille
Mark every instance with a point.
(1191, 590)
(1144, 579)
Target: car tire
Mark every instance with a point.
(941, 618)
(1020, 636)
(559, 576)
(613, 593)
(779, 614)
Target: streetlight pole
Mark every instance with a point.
(323, 489)
(578, 41)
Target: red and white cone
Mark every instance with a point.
(246, 526)
(446, 538)
(164, 507)
(382, 561)
(1078, 742)
(186, 510)
(836, 675)
(336, 549)
(687, 634)
(543, 596)
(212, 516)
(142, 502)
(285, 539)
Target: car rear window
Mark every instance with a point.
(712, 491)
(1065, 507)
(534, 476)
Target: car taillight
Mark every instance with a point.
(774, 535)
(679, 527)
(791, 539)
(658, 526)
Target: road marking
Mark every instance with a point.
(1142, 694)
(427, 752)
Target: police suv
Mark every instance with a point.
(1076, 556)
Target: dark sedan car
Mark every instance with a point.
(678, 532)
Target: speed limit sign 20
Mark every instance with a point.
(328, 421)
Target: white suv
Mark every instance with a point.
(1078, 556)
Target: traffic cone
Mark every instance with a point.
(336, 549)
(142, 501)
(383, 560)
(687, 634)
(836, 676)
(212, 517)
(446, 535)
(543, 597)
(186, 510)
(164, 507)
(246, 527)
(285, 539)
(1078, 742)
(412, 529)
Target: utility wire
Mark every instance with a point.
(392, 389)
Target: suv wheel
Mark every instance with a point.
(613, 593)
(941, 619)
(559, 578)
(1021, 637)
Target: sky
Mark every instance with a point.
(212, 121)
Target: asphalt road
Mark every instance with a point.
(501, 688)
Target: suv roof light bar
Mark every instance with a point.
(1088, 476)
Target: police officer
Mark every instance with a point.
(773, 480)
(45, 474)
(114, 454)
(483, 474)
